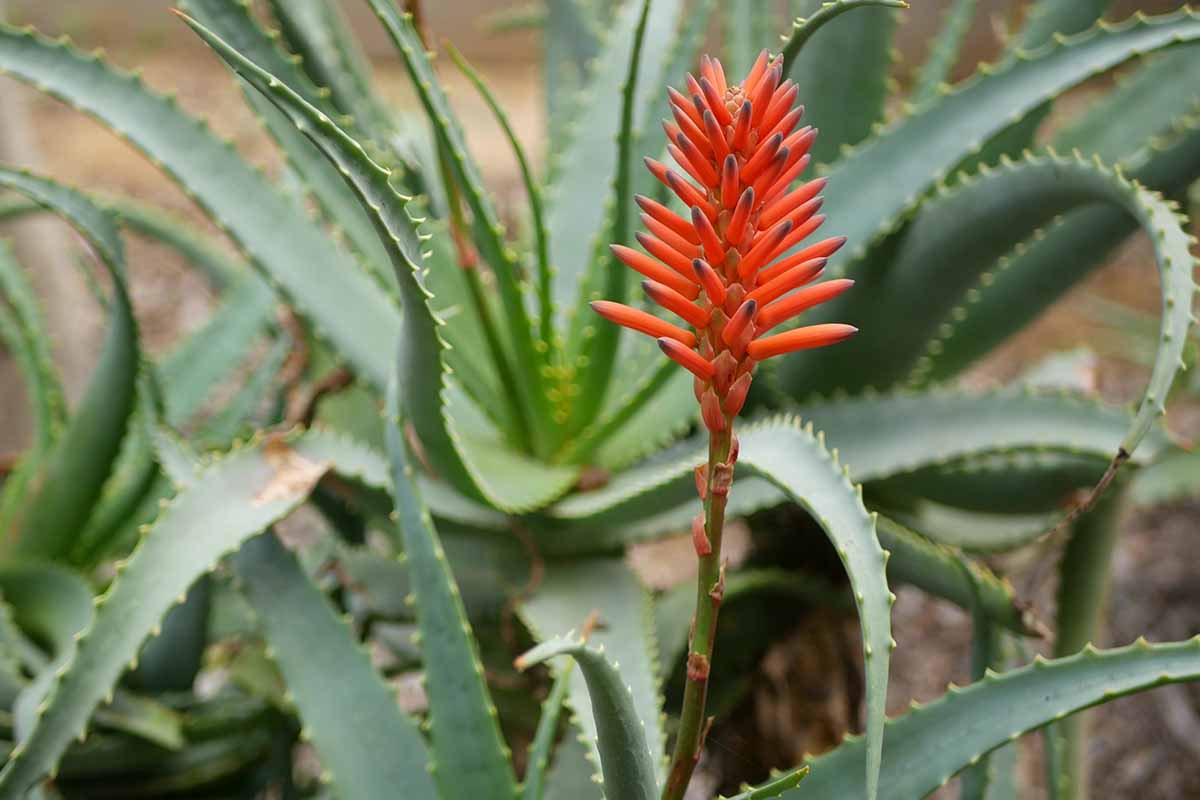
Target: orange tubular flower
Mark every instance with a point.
(723, 266)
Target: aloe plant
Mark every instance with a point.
(482, 448)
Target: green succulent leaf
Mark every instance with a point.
(1172, 478)
(929, 745)
(954, 239)
(368, 747)
(625, 758)
(570, 39)
(976, 531)
(471, 759)
(278, 235)
(774, 788)
(72, 477)
(745, 29)
(455, 436)
(234, 23)
(489, 232)
(319, 33)
(944, 52)
(234, 498)
(1048, 19)
(568, 593)
(600, 152)
(843, 97)
(872, 189)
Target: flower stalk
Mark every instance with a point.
(732, 268)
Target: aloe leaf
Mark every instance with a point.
(1043, 268)
(570, 40)
(28, 340)
(574, 771)
(73, 476)
(872, 190)
(1084, 581)
(880, 436)
(773, 788)
(1170, 479)
(975, 531)
(189, 372)
(930, 744)
(319, 33)
(235, 25)
(656, 411)
(990, 651)
(218, 268)
(955, 238)
(843, 97)
(457, 441)
(944, 52)
(358, 319)
(170, 661)
(579, 202)
(476, 765)
(1047, 19)
(625, 758)
(232, 499)
(533, 193)
(942, 572)
(368, 747)
(488, 229)
(746, 29)
(569, 592)
(538, 762)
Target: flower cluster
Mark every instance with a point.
(727, 269)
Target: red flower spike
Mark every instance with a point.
(693, 130)
(785, 95)
(715, 102)
(785, 205)
(673, 239)
(821, 250)
(689, 194)
(684, 104)
(761, 252)
(798, 235)
(642, 322)
(784, 181)
(730, 182)
(735, 398)
(714, 251)
(676, 303)
(740, 324)
(711, 413)
(644, 264)
(761, 97)
(738, 223)
(772, 172)
(756, 72)
(699, 169)
(667, 217)
(743, 146)
(782, 284)
(714, 287)
(798, 302)
(664, 253)
(800, 339)
(716, 136)
(761, 159)
(687, 358)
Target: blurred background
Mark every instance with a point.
(1151, 742)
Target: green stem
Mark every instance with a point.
(710, 587)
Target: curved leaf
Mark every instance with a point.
(568, 593)
(346, 306)
(234, 498)
(465, 766)
(929, 745)
(368, 747)
(625, 758)
(844, 97)
(454, 436)
(72, 478)
(944, 52)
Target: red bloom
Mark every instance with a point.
(722, 267)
